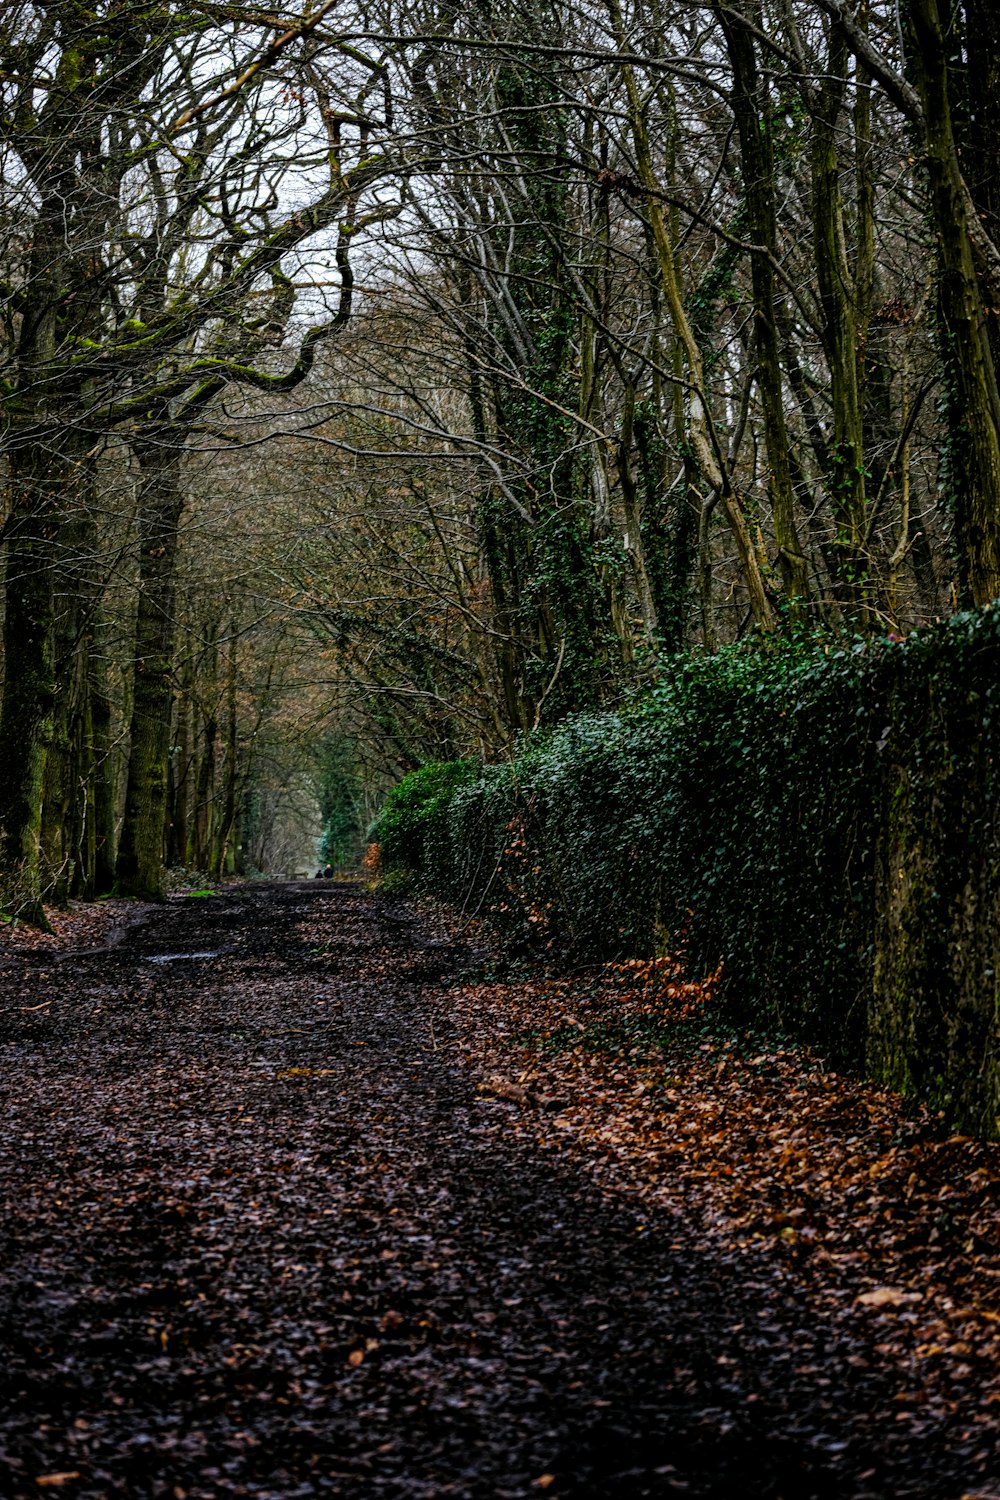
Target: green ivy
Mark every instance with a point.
(764, 800)
(414, 805)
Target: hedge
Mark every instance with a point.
(823, 818)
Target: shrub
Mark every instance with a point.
(825, 819)
(411, 807)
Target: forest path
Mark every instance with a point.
(261, 1236)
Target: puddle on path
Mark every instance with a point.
(175, 958)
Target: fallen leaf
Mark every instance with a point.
(502, 1089)
(887, 1296)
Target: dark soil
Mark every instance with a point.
(261, 1236)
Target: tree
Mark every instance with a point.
(156, 227)
(968, 254)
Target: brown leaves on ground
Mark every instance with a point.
(83, 924)
(891, 1224)
(289, 1208)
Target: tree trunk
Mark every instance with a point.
(974, 399)
(139, 868)
(204, 788)
(846, 455)
(71, 766)
(980, 150)
(752, 109)
(632, 515)
(699, 430)
(63, 809)
(101, 787)
(40, 476)
(29, 679)
(226, 823)
(178, 821)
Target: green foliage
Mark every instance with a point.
(398, 883)
(413, 806)
(341, 798)
(749, 801)
(934, 1029)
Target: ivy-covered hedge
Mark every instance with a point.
(417, 803)
(825, 820)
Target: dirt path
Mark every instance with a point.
(261, 1236)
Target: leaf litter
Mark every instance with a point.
(330, 1213)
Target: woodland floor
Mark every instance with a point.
(327, 1207)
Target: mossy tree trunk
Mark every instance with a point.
(203, 820)
(101, 783)
(752, 109)
(966, 343)
(140, 864)
(63, 811)
(178, 818)
(77, 791)
(42, 473)
(533, 340)
(29, 685)
(222, 842)
(699, 429)
(980, 143)
(846, 472)
(545, 561)
(669, 512)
